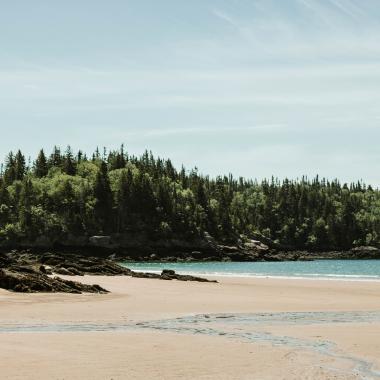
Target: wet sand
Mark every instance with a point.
(323, 345)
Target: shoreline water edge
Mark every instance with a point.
(339, 270)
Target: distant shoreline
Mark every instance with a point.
(188, 251)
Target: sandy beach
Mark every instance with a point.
(292, 329)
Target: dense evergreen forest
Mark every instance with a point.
(112, 192)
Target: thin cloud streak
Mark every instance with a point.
(160, 132)
(348, 8)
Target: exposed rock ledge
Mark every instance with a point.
(29, 281)
(139, 246)
(27, 272)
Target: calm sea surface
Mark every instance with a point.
(363, 270)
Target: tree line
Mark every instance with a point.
(64, 194)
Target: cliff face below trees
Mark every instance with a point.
(140, 247)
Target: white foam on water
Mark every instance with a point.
(295, 276)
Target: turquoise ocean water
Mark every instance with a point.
(361, 270)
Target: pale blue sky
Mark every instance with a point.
(252, 87)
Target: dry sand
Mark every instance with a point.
(147, 354)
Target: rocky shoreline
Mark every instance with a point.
(27, 272)
(141, 247)
(36, 269)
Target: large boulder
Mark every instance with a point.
(169, 274)
(101, 241)
(255, 245)
(366, 252)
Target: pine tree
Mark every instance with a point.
(55, 159)
(120, 158)
(41, 165)
(20, 166)
(201, 196)
(103, 195)
(123, 201)
(4, 203)
(80, 157)
(10, 169)
(69, 165)
(25, 213)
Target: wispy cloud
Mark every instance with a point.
(306, 31)
(234, 23)
(332, 12)
(348, 8)
(225, 17)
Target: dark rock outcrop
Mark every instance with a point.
(32, 282)
(357, 253)
(30, 272)
(168, 274)
(366, 252)
(140, 246)
(76, 265)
